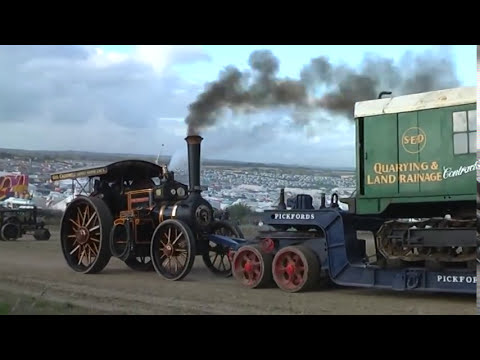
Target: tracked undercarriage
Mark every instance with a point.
(444, 241)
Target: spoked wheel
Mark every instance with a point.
(217, 260)
(252, 267)
(85, 233)
(10, 231)
(139, 263)
(295, 269)
(173, 249)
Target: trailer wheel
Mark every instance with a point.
(173, 249)
(140, 263)
(10, 231)
(216, 259)
(296, 268)
(252, 267)
(85, 233)
(41, 234)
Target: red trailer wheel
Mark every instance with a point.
(252, 267)
(295, 269)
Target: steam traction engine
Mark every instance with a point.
(140, 214)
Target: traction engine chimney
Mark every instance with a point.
(193, 144)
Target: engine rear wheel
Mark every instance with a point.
(173, 249)
(216, 259)
(252, 267)
(85, 233)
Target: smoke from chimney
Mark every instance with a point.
(260, 88)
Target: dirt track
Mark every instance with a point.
(34, 268)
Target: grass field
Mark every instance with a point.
(18, 304)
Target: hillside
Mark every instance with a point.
(40, 155)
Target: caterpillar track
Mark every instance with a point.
(440, 240)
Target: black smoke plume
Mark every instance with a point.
(342, 86)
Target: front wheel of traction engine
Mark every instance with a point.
(216, 259)
(173, 249)
(252, 267)
(85, 234)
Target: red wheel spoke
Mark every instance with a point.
(245, 258)
(298, 278)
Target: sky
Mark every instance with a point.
(135, 98)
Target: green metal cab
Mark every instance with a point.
(416, 154)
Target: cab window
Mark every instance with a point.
(464, 132)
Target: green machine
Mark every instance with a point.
(416, 168)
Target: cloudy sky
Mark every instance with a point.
(135, 98)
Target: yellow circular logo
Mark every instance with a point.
(414, 140)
